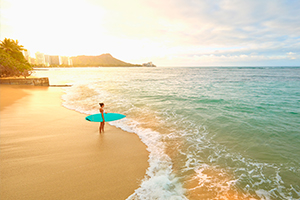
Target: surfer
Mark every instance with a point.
(101, 128)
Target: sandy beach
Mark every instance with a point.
(50, 152)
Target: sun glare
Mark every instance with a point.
(165, 32)
(56, 27)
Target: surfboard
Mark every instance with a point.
(109, 117)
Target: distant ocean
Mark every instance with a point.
(212, 132)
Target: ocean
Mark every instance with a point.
(211, 132)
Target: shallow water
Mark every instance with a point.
(212, 133)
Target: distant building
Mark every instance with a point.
(47, 60)
(31, 60)
(54, 60)
(149, 64)
(26, 55)
(65, 60)
(40, 58)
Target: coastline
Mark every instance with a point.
(50, 152)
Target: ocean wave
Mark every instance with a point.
(159, 182)
(210, 134)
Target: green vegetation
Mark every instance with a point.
(12, 60)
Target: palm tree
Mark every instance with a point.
(13, 48)
(12, 59)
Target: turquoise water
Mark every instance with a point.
(212, 133)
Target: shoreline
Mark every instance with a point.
(51, 152)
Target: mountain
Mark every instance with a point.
(105, 60)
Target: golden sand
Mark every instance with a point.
(50, 152)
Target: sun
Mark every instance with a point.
(55, 27)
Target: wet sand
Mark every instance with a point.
(50, 152)
(10, 94)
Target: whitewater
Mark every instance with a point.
(211, 132)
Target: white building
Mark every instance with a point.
(65, 60)
(40, 58)
(26, 54)
(149, 64)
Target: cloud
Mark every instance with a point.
(166, 32)
(291, 53)
(267, 29)
(234, 22)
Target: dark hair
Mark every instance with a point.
(101, 104)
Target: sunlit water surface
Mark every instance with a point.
(212, 133)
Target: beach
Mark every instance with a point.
(50, 152)
(214, 133)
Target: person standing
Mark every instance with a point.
(101, 128)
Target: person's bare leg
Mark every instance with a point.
(102, 126)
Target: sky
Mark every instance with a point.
(166, 32)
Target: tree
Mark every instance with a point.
(9, 45)
(12, 60)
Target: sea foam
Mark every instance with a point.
(159, 181)
(237, 123)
